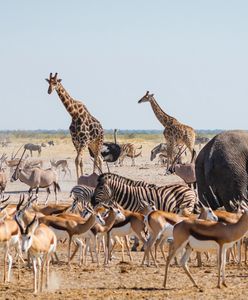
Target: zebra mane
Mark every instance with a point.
(125, 180)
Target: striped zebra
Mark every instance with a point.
(135, 195)
(82, 193)
(129, 150)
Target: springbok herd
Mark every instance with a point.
(110, 210)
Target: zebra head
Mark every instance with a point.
(103, 192)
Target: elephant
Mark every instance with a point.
(222, 169)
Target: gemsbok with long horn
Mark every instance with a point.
(37, 178)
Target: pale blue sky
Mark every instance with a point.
(193, 55)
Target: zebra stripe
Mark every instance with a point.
(82, 193)
(135, 195)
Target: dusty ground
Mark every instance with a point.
(121, 280)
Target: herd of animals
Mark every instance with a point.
(107, 209)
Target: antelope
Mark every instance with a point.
(202, 235)
(37, 178)
(73, 228)
(33, 163)
(3, 177)
(160, 225)
(51, 209)
(133, 224)
(114, 215)
(61, 164)
(5, 237)
(40, 242)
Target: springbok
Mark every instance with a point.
(40, 241)
(204, 235)
(160, 225)
(37, 178)
(64, 227)
(61, 164)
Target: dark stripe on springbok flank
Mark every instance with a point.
(122, 223)
(56, 226)
(201, 237)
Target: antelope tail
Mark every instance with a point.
(56, 185)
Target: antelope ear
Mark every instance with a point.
(59, 80)
(151, 95)
(47, 80)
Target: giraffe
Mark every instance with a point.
(175, 133)
(85, 129)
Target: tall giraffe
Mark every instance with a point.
(85, 129)
(175, 133)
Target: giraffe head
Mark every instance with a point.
(146, 98)
(53, 81)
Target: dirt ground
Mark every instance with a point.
(120, 280)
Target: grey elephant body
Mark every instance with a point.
(223, 165)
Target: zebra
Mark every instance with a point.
(139, 195)
(129, 150)
(135, 195)
(81, 193)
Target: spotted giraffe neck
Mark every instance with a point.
(163, 118)
(66, 99)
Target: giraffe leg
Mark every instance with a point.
(170, 148)
(96, 149)
(79, 163)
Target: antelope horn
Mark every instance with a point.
(17, 151)
(30, 224)
(215, 197)
(19, 225)
(51, 75)
(55, 76)
(4, 200)
(3, 207)
(205, 198)
(19, 162)
(147, 93)
(21, 199)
